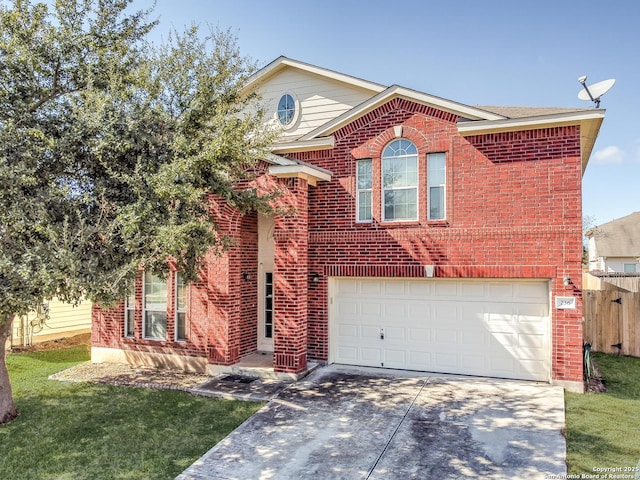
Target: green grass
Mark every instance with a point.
(603, 430)
(84, 431)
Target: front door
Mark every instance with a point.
(266, 250)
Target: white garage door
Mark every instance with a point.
(474, 327)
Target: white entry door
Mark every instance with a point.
(479, 327)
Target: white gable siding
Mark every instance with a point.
(320, 99)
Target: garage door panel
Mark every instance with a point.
(371, 310)
(371, 356)
(465, 326)
(446, 362)
(370, 332)
(419, 335)
(395, 334)
(393, 310)
(446, 289)
(348, 330)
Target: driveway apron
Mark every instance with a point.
(350, 423)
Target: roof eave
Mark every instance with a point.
(283, 62)
(323, 143)
(397, 91)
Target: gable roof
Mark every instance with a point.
(618, 238)
(473, 120)
(283, 62)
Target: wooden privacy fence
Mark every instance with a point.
(612, 321)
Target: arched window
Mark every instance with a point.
(400, 181)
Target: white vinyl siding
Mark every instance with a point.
(320, 100)
(364, 182)
(155, 307)
(436, 186)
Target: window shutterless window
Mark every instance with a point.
(363, 187)
(436, 185)
(155, 307)
(129, 315)
(400, 181)
(180, 308)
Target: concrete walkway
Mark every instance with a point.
(350, 423)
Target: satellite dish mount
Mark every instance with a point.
(595, 91)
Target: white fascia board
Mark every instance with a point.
(323, 143)
(282, 62)
(300, 170)
(480, 127)
(411, 95)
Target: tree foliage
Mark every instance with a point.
(110, 146)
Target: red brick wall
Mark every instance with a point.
(291, 279)
(221, 311)
(513, 211)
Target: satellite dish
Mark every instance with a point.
(595, 91)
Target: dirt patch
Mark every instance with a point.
(65, 342)
(132, 375)
(595, 384)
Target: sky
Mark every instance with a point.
(476, 52)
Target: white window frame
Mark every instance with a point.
(154, 309)
(628, 264)
(364, 190)
(130, 308)
(443, 185)
(384, 189)
(177, 310)
(296, 112)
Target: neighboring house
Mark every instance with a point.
(53, 320)
(615, 246)
(427, 235)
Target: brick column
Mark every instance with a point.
(291, 279)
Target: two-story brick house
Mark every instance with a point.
(422, 234)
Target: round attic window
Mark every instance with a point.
(286, 110)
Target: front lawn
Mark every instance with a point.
(603, 429)
(84, 431)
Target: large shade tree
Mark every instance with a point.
(110, 147)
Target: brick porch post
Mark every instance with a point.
(291, 280)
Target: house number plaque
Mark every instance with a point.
(566, 303)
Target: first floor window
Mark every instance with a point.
(630, 268)
(181, 308)
(155, 307)
(363, 186)
(129, 315)
(268, 305)
(436, 185)
(400, 181)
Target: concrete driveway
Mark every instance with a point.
(352, 423)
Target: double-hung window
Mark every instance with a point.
(155, 307)
(436, 185)
(129, 315)
(364, 183)
(180, 308)
(400, 181)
